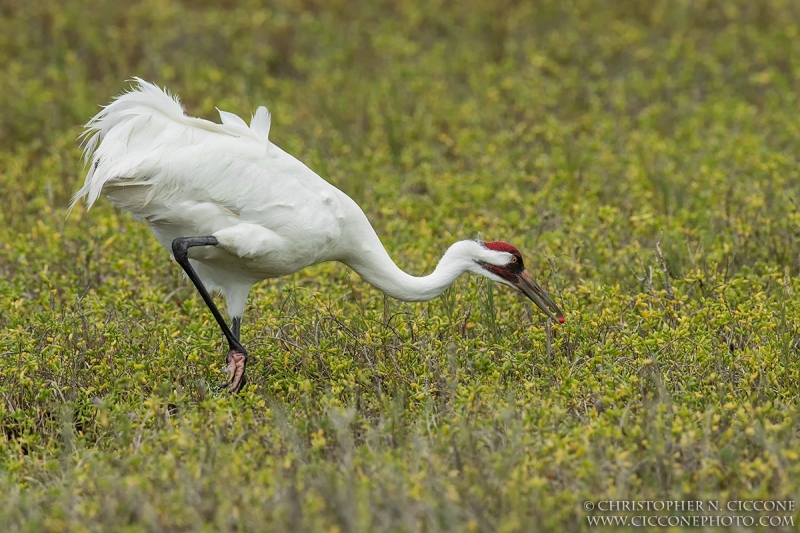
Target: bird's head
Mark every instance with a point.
(501, 262)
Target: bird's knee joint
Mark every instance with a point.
(179, 249)
(181, 245)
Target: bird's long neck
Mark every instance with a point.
(370, 260)
(378, 269)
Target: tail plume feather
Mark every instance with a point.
(119, 142)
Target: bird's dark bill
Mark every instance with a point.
(532, 290)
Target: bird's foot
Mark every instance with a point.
(237, 361)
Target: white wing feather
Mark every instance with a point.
(260, 122)
(231, 120)
(188, 176)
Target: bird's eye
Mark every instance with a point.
(513, 258)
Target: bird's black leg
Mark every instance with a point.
(236, 326)
(237, 355)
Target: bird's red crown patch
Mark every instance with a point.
(498, 246)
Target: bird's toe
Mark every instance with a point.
(237, 362)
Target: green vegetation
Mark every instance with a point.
(585, 132)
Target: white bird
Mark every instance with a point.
(234, 209)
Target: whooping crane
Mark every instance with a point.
(234, 209)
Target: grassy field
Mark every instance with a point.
(641, 154)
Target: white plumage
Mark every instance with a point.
(270, 214)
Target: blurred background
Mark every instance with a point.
(669, 115)
(666, 115)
